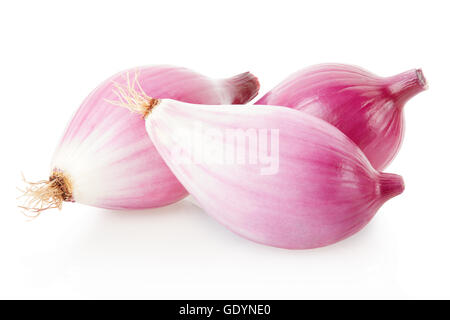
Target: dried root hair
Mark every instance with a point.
(46, 194)
(133, 97)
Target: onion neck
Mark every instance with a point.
(406, 85)
(390, 185)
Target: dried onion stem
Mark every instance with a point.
(133, 97)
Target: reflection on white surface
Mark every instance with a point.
(178, 252)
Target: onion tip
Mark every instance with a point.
(246, 87)
(391, 185)
(406, 85)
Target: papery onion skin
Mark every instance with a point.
(367, 108)
(324, 191)
(106, 151)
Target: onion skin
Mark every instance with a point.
(367, 108)
(324, 191)
(106, 151)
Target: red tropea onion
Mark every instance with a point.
(367, 108)
(274, 175)
(105, 157)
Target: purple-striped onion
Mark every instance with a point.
(106, 159)
(367, 108)
(274, 175)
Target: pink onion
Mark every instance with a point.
(106, 159)
(367, 108)
(300, 184)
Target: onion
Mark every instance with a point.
(367, 108)
(273, 175)
(106, 159)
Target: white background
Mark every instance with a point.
(54, 53)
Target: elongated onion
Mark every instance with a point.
(301, 183)
(367, 108)
(106, 159)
